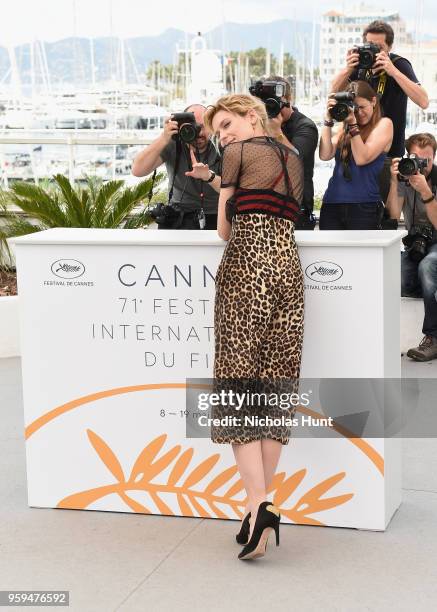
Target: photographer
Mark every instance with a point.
(352, 199)
(292, 127)
(414, 195)
(392, 77)
(192, 172)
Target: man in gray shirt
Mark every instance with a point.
(417, 200)
(197, 198)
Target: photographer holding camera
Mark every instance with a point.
(413, 191)
(291, 127)
(352, 199)
(393, 79)
(192, 164)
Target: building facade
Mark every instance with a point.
(423, 56)
(340, 31)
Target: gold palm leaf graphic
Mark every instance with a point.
(194, 500)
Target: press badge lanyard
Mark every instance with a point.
(382, 80)
(381, 83)
(199, 185)
(201, 214)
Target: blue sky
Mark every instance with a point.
(24, 20)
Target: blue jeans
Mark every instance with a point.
(353, 216)
(420, 280)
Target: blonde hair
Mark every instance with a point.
(239, 104)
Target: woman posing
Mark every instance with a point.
(259, 304)
(352, 200)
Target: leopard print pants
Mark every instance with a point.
(258, 319)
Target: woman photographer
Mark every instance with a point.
(259, 306)
(352, 200)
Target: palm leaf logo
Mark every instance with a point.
(217, 499)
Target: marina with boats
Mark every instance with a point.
(98, 130)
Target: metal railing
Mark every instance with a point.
(73, 138)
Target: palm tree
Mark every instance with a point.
(96, 204)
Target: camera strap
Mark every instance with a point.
(382, 78)
(414, 207)
(150, 194)
(433, 177)
(382, 81)
(201, 214)
(176, 168)
(199, 182)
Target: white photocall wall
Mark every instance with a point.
(113, 322)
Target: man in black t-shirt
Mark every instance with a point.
(393, 78)
(294, 128)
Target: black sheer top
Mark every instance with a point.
(255, 164)
(268, 176)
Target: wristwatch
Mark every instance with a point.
(211, 178)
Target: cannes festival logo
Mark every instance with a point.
(68, 268)
(323, 271)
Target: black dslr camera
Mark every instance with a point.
(409, 165)
(166, 215)
(367, 55)
(345, 101)
(417, 241)
(270, 92)
(189, 130)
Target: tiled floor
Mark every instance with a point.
(115, 561)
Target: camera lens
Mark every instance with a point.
(407, 166)
(340, 111)
(273, 107)
(188, 132)
(366, 59)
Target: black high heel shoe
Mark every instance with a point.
(242, 536)
(268, 518)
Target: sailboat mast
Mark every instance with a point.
(93, 68)
(313, 39)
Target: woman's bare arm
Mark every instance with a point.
(223, 225)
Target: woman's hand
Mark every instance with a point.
(351, 118)
(328, 142)
(199, 171)
(331, 102)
